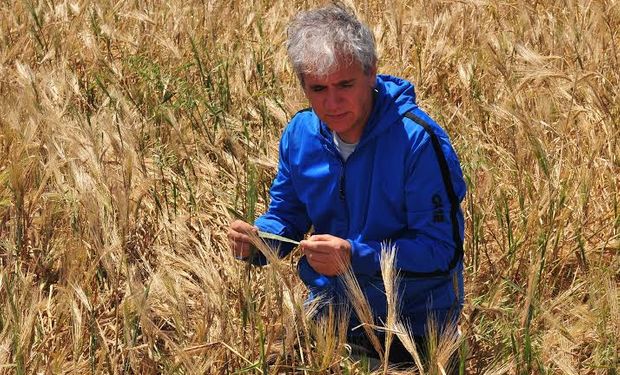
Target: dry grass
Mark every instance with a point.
(130, 131)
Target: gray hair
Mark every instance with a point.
(322, 39)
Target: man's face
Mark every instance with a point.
(342, 99)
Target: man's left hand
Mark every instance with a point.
(327, 254)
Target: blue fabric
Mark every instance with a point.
(389, 190)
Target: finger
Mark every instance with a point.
(234, 233)
(321, 262)
(324, 250)
(321, 257)
(322, 268)
(314, 246)
(243, 227)
(239, 237)
(329, 257)
(321, 237)
(251, 230)
(306, 247)
(239, 243)
(238, 224)
(313, 257)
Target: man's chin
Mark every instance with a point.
(338, 125)
(338, 129)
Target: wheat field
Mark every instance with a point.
(132, 133)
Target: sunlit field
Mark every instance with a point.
(132, 133)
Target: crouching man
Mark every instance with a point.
(364, 165)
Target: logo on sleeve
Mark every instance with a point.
(437, 209)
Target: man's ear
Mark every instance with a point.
(372, 76)
(373, 70)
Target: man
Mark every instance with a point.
(364, 165)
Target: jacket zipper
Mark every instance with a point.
(342, 191)
(341, 183)
(341, 179)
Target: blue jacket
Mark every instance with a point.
(390, 189)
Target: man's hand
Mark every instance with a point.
(238, 238)
(327, 254)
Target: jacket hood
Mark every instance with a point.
(393, 98)
(397, 91)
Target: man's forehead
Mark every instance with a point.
(340, 74)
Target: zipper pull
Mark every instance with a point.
(342, 185)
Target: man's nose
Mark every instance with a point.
(332, 100)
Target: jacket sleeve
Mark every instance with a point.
(286, 215)
(428, 245)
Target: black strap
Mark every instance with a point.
(454, 201)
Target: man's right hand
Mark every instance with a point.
(238, 238)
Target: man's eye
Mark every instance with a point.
(318, 88)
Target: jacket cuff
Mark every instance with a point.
(364, 258)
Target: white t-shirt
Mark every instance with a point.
(345, 149)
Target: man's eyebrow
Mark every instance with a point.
(317, 86)
(345, 81)
(339, 83)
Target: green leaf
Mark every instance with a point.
(271, 236)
